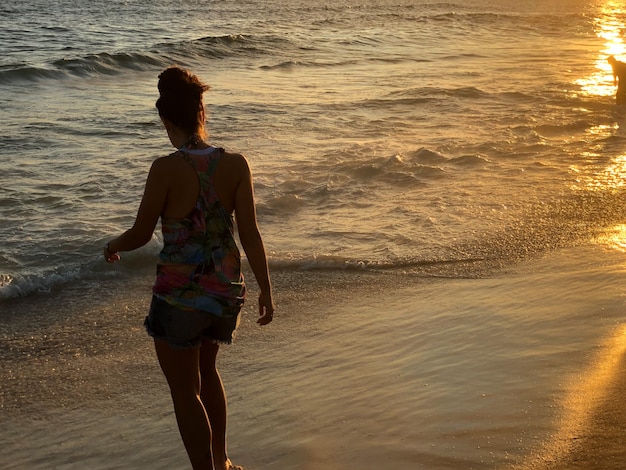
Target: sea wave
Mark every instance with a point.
(547, 226)
(160, 55)
(23, 286)
(90, 269)
(97, 271)
(344, 180)
(93, 64)
(333, 262)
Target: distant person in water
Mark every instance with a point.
(199, 288)
(619, 79)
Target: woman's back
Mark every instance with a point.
(200, 264)
(183, 186)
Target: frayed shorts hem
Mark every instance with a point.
(188, 344)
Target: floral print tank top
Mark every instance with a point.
(199, 266)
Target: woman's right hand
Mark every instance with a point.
(110, 257)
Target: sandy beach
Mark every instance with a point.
(353, 374)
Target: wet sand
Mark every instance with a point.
(523, 369)
(601, 445)
(592, 431)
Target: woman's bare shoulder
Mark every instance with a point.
(236, 162)
(167, 162)
(235, 157)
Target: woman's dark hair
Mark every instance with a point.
(180, 100)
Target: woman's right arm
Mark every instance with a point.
(251, 241)
(150, 209)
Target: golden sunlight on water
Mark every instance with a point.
(609, 178)
(615, 238)
(587, 392)
(609, 26)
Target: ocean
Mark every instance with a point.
(426, 173)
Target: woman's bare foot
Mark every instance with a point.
(230, 466)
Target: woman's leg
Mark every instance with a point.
(621, 93)
(214, 400)
(182, 371)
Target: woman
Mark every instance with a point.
(199, 288)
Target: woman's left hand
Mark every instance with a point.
(266, 309)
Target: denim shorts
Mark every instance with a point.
(186, 329)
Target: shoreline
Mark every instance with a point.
(437, 374)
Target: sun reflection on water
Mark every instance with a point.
(614, 238)
(608, 26)
(611, 178)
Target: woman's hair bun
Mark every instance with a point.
(180, 99)
(180, 83)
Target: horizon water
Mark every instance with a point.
(426, 155)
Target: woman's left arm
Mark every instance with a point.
(251, 240)
(150, 209)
